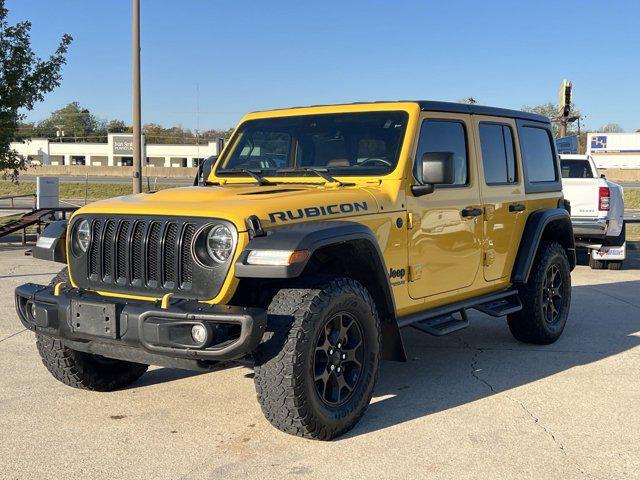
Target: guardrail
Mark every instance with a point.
(11, 198)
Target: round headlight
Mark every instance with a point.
(219, 243)
(83, 235)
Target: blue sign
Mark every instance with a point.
(567, 144)
(599, 142)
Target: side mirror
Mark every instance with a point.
(204, 170)
(437, 169)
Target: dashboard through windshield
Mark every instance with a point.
(348, 144)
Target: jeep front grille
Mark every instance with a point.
(150, 256)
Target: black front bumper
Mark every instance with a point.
(141, 332)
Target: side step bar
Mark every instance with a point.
(443, 325)
(440, 321)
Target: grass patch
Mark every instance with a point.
(632, 198)
(633, 232)
(76, 190)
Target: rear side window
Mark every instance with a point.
(444, 136)
(498, 159)
(538, 154)
(575, 169)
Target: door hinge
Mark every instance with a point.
(489, 211)
(489, 257)
(409, 220)
(415, 272)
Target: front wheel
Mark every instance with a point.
(85, 370)
(545, 297)
(316, 370)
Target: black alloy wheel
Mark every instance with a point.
(552, 295)
(338, 359)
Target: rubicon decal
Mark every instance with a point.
(321, 211)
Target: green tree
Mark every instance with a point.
(118, 126)
(75, 121)
(550, 110)
(611, 128)
(24, 80)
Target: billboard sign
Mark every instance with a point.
(567, 145)
(123, 145)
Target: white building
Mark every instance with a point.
(118, 151)
(614, 150)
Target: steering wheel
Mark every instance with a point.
(386, 163)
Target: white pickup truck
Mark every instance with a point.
(597, 211)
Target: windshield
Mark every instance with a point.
(350, 144)
(575, 169)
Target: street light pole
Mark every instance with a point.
(137, 123)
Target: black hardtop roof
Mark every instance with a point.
(452, 107)
(473, 109)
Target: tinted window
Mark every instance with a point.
(575, 169)
(498, 159)
(344, 144)
(538, 154)
(441, 136)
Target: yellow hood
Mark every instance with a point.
(274, 204)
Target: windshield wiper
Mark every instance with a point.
(321, 172)
(255, 174)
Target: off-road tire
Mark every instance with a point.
(84, 370)
(529, 324)
(596, 264)
(614, 264)
(284, 366)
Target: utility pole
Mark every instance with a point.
(137, 122)
(564, 106)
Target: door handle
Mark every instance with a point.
(517, 207)
(471, 212)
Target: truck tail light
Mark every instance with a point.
(604, 198)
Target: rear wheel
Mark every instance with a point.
(546, 298)
(316, 370)
(596, 264)
(615, 264)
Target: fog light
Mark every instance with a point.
(32, 310)
(199, 333)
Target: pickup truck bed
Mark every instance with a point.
(597, 205)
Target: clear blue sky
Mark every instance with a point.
(250, 55)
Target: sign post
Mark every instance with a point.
(137, 123)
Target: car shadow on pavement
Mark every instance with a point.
(447, 372)
(163, 375)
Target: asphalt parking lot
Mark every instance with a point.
(475, 404)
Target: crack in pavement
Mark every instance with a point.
(536, 420)
(13, 335)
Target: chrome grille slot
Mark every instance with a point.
(149, 256)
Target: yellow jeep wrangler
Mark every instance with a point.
(315, 236)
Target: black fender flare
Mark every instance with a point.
(313, 236)
(52, 243)
(532, 235)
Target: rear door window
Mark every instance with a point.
(498, 159)
(537, 153)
